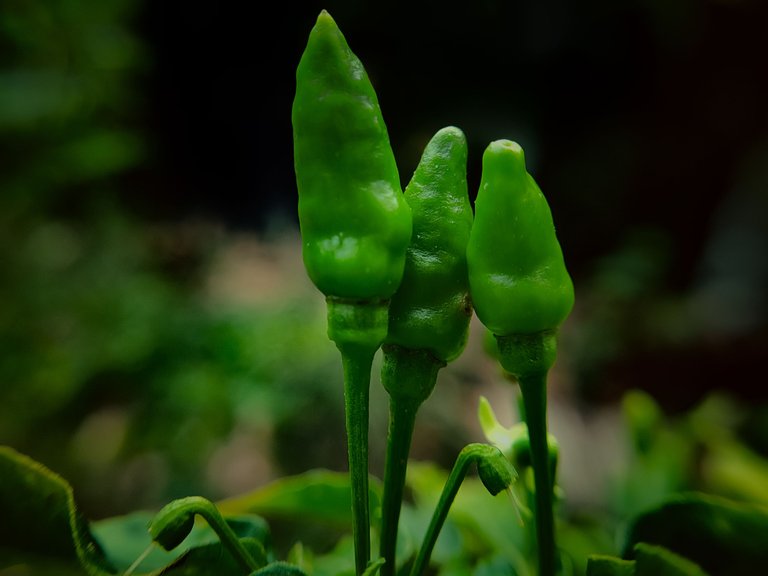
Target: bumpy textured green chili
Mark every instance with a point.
(355, 226)
(431, 309)
(430, 312)
(522, 292)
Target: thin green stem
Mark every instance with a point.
(402, 417)
(529, 357)
(534, 391)
(358, 328)
(467, 456)
(357, 375)
(174, 522)
(409, 377)
(229, 539)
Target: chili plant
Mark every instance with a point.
(401, 272)
(355, 224)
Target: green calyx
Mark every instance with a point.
(355, 223)
(357, 327)
(517, 276)
(431, 309)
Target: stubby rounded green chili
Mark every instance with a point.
(430, 312)
(355, 226)
(522, 292)
(518, 280)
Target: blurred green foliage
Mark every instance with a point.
(117, 368)
(121, 371)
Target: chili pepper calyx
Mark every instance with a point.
(523, 355)
(357, 325)
(409, 374)
(495, 471)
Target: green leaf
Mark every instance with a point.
(599, 565)
(42, 528)
(39, 518)
(318, 495)
(500, 436)
(338, 562)
(281, 569)
(721, 536)
(374, 567)
(212, 559)
(658, 561)
(733, 469)
(125, 538)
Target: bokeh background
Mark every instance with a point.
(158, 336)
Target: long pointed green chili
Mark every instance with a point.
(430, 312)
(496, 474)
(355, 226)
(522, 292)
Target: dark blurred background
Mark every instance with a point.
(157, 334)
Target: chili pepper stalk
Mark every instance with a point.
(355, 226)
(429, 313)
(522, 292)
(496, 474)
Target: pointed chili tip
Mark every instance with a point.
(451, 132)
(448, 142)
(325, 16)
(325, 20)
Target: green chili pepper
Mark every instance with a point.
(431, 309)
(430, 312)
(522, 292)
(518, 280)
(355, 226)
(354, 220)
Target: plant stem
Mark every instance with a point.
(529, 357)
(467, 456)
(402, 418)
(358, 328)
(357, 374)
(409, 377)
(534, 391)
(229, 538)
(173, 523)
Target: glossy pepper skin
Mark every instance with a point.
(355, 223)
(517, 276)
(431, 309)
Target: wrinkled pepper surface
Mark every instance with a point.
(431, 309)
